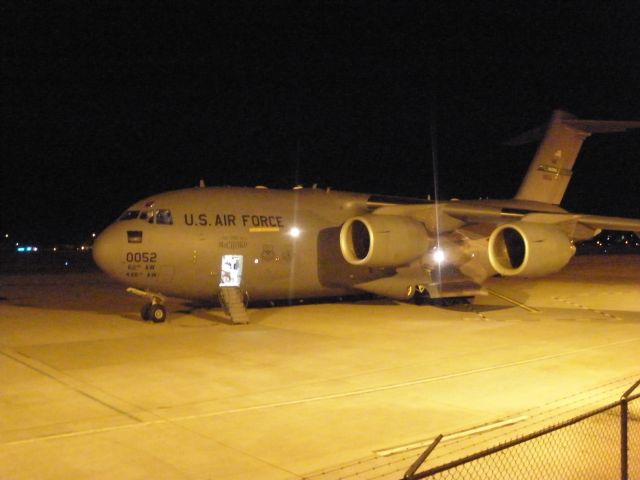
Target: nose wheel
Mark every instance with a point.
(154, 311)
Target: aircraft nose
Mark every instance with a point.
(105, 250)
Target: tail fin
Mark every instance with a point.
(550, 171)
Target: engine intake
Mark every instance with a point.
(383, 240)
(529, 249)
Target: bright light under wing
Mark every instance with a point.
(294, 232)
(439, 256)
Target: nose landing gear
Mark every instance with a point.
(155, 309)
(155, 312)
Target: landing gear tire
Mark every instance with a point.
(154, 310)
(157, 313)
(424, 299)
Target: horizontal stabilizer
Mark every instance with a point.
(587, 126)
(602, 126)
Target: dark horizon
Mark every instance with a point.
(108, 104)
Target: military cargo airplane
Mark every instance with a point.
(243, 244)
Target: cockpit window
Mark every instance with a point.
(129, 215)
(163, 217)
(159, 217)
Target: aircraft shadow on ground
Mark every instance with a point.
(373, 301)
(478, 308)
(209, 312)
(132, 317)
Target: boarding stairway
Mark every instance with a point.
(233, 301)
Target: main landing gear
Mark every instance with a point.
(422, 297)
(155, 309)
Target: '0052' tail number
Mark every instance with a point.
(141, 257)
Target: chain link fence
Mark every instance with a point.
(603, 443)
(574, 437)
(634, 438)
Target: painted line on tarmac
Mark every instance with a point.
(454, 436)
(394, 386)
(302, 401)
(77, 386)
(513, 301)
(608, 315)
(81, 433)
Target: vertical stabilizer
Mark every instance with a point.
(550, 171)
(551, 168)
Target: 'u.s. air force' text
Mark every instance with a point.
(232, 220)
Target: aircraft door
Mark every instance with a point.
(231, 271)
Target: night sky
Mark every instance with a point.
(103, 103)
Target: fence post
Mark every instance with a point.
(624, 434)
(420, 460)
(624, 439)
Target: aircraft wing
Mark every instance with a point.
(610, 223)
(449, 216)
(583, 227)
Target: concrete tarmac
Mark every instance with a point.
(88, 390)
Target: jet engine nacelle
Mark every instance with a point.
(383, 240)
(529, 249)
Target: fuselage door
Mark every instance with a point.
(231, 271)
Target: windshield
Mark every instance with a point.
(161, 216)
(129, 215)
